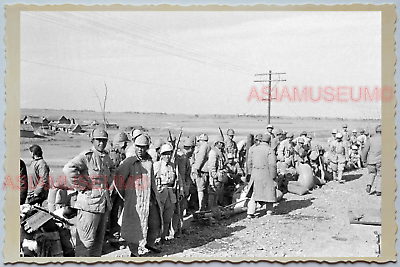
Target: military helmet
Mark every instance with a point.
(231, 156)
(339, 135)
(289, 135)
(36, 150)
(314, 155)
(303, 133)
(258, 137)
(136, 133)
(278, 132)
(120, 137)
(355, 131)
(354, 147)
(189, 142)
(166, 148)
(219, 139)
(362, 131)
(141, 140)
(203, 137)
(334, 131)
(99, 133)
(266, 138)
(378, 128)
(158, 143)
(270, 126)
(300, 140)
(344, 126)
(230, 132)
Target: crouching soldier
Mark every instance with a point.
(89, 173)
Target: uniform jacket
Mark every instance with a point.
(372, 150)
(341, 150)
(117, 155)
(262, 166)
(136, 183)
(231, 147)
(38, 178)
(91, 174)
(165, 176)
(285, 151)
(216, 162)
(184, 170)
(201, 158)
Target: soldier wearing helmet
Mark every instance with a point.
(91, 173)
(332, 138)
(339, 155)
(200, 171)
(117, 155)
(165, 174)
(301, 151)
(38, 179)
(234, 172)
(230, 144)
(346, 134)
(217, 171)
(132, 150)
(372, 151)
(154, 150)
(262, 168)
(353, 137)
(135, 180)
(270, 129)
(354, 158)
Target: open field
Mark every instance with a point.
(313, 225)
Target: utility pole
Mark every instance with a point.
(269, 99)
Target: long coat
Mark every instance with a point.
(136, 183)
(262, 167)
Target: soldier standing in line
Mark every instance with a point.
(165, 175)
(270, 129)
(117, 155)
(200, 171)
(131, 150)
(218, 176)
(332, 139)
(230, 145)
(188, 152)
(262, 167)
(90, 172)
(341, 151)
(353, 137)
(38, 180)
(141, 220)
(373, 152)
(345, 133)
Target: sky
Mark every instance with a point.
(200, 62)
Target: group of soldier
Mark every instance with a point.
(139, 193)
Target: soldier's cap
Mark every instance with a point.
(141, 140)
(362, 131)
(270, 126)
(278, 132)
(203, 137)
(219, 140)
(289, 135)
(303, 133)
(334, 131)
(99, 133)
(344, 126)
(35, 149)
(230, 156)
(120, 138)
(314, 155)
(258, 137)
(136, 133)
(266, 138)
(300, 140)
(230, 132)
(378, 128)
(189, 142)
(354, 147)
(339, 135)
(354, 131)
(166, 148)
(157, 143)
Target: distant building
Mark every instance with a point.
(26, 130)
(61, 120)
(75, 128)
(36, 121)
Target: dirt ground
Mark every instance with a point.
(314, 225)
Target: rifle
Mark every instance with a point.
(178, 186)
(172, 140)
(222, 134)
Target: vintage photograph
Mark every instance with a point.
(197, 134)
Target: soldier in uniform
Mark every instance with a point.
(165, 174)
(234, 172)
(38, 180)
(141, 219)
(332, 139)
(218, 176)
(90, 172)
(353, 137)
(200, 171)
(270, 130)
(131, 150)
(301, 152)
(345, 133)
(373, 152)
(341, 154)
(154, 150)
(117, 155)
(262, 167)
(230, 145)
(188, 152)
(354, 158)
